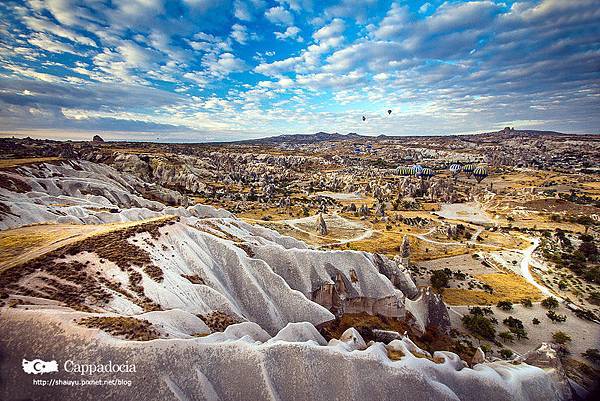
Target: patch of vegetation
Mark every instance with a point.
(506, 336)
(439, 279)
(593, 355)
(526, 303)
(505, 353)
(582, 260)
(505, 305)
(479, 325)
(218, 321)
(555, 317)
(127, 327)
(516, 327)
(550, 303)
(561, 338)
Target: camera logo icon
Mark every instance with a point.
(37, 366)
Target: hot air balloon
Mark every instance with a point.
(427, 173)
(389, 112)
(455, 169)
(468, 169)
(404, 171)
(364, 118)
(417, 169)
(480, 173)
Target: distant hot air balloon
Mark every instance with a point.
(427, 173)
(468, 169)
(455, 169)
(480, 173)
(364, 118)
(389, 112)
(417, 170)
(404, 171)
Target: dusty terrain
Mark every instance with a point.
(270, 243)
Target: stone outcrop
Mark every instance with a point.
(321, 226)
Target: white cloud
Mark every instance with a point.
(290, 33)
(279, 16)
(239, 33)
(47, 43)
(43, 25)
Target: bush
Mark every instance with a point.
(535, 321)
(555, 317)
(505, 305)
(592, 354)
(480, 326)
(561, 338)
(516, 327)
(506, 353)
(439, 279)
(550, 303)
(506, 336)
(477, 310)
(526, 303)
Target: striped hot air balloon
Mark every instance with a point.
(480, 173)
(417, 170)
(404, 171)
(427, 173)
(468, 169)
(455, 169)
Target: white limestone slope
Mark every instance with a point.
(245, 363)
(78, 192)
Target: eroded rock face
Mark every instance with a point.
(428, 311)
(209, 367)
(321, 226)
(78, 192)
(478, 357)
(350, 340)
(546, 357)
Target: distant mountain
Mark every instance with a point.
(306, 138)
(506, 133)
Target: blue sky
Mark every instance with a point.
(206, 70)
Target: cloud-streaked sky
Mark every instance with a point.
(202, 70)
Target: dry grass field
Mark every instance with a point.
(507, 287)
(9, 163)
(21, 244)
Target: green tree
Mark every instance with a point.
(550, 303)
(561, 337)
(506, 336)
(439, 279)
(505, 305)
(480, 326)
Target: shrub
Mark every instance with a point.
(439, 279)
(535, 321)
(555, 317)
(506, 336)
(561, 338)
(479, 325)
(550, 303)
(592, 354)
(526, 303)
(506, 353)
(505, 305)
